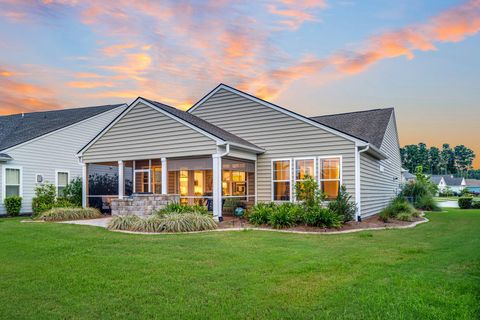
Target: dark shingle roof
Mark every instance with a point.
(18, 128)
(203, 125)
(369, 125)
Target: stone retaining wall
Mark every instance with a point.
(141, 204)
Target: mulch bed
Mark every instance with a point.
(367, 223)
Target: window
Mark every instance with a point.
(281, 180)
(62, 181)
(304, 167)
(12, 181)
(330, 176)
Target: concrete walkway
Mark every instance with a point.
(102, 222)
(448, 204)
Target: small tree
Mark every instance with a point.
(309, 192)
(44, 198)
(343, 205)
(73, 192)
(13, 204)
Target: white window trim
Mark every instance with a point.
(57, 171)
(273, 181)
(319, 179)
(315, 174)
(4, 180)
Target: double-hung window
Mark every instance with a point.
(12, 181)
(304, 167)
(330, 176)
(281, 180)
(62, 181)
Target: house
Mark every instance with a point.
(473, 185)
(455, 185)
(407, 176)
(232, 146)
(41, 147)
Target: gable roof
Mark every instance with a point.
(19, 128)
(203, 125)
(293, 114)
(449, 180)
(190, 120)
(369, 125)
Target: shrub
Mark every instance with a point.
(343, 205)
(62, 214)
(284, 215)
(397, 206)
(175, 222)
(126, 222)
(465, 202)
(175, 207)
(322, 217)
(476, 205)
(73, 192)
(309, 192)
(44, 198)
(404, 216)
(153, 223)
(427, 203)
(13, 204)
(64, 203)
(260, 213)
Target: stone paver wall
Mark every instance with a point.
(141, 204)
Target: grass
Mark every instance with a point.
(53, 271)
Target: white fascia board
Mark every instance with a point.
(277, 108)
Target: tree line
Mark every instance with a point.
(457, 161)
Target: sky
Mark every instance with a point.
(314, 57)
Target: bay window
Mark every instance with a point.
(281, 180)
(330, 176)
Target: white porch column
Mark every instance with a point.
(217, 187)
(164, 176)
(84, 185)
(121, 180)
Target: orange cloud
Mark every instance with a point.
(89, 84)
(117, 49)
(295, 13)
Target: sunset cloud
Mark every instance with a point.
(294, 13)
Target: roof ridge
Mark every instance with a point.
(65, 109)
(353, 112)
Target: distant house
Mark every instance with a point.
(41, 147)
(473, 185)
(407, 176)
(456, 185)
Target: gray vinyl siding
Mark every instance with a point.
(281, 135)
(53, 151)
(145, 133)
(378, 188)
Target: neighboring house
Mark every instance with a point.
(456, 185)
(41, 147)
(473, 185)
(232, 146)
(407, 176)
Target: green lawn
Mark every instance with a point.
(446, 198)
(53, 271)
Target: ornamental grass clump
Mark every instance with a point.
(398, 206)
(175, 207)
(64, 214)
(126, 222)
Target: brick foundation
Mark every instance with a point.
(141, 204)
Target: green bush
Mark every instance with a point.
(171, 222)
(404, 216)
(62, 214)
(260, 213)
(44, 198)
(476, 205)
(427, 203)
(13, 204)
(64, 203)
(397, 206)
(309, 193)
(284, 216)
(465, 202)
(322, 217)
(126, 222)
(175, 207)
(343, 205)
(73, 192)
